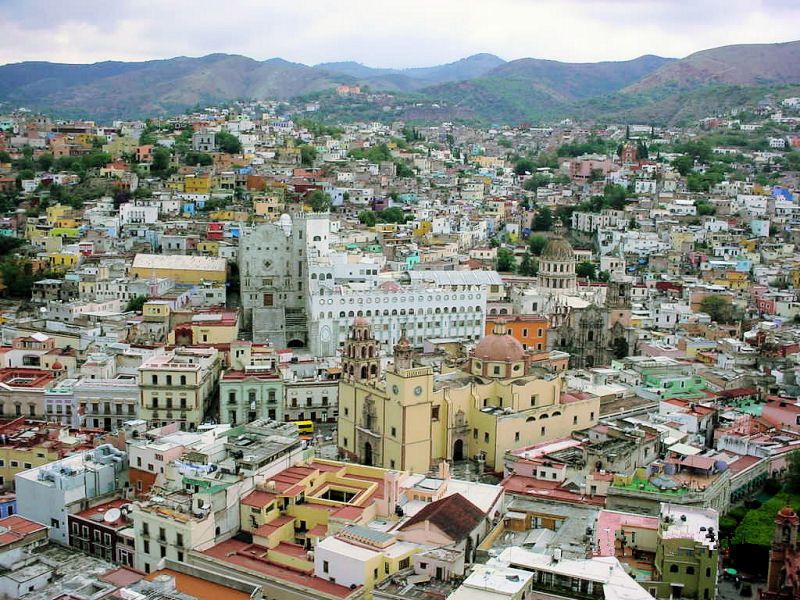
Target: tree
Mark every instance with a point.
(527, 266)
(604, 276)
(543, 220)
(683, 164)
(505, 260)
(642, 153)
(228, 143)
(524, 165)
(319, 201)
(395, 214)
(17, 275)
(5, 157)
(536, 181)
(161, 158)
(403, 170)
(705, 208)
(620, 348)
(536, 244)
(367, 217)
(586, 269)
(793, 475)
(44, 162)
(135, 304)
(718, 308)
(308, 154)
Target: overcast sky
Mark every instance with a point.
(385, 32)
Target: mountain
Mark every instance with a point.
(159, 87)
(480, 87)
(532, 88)
(746, 64)
(417, 77)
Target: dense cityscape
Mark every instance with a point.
(331, 347)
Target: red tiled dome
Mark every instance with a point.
(786, 512)
(57, 366)
(499, 348)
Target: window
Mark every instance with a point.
(180, 556)
(708, 571)
(346, 410)
(486, 437)
(690, 570)
(154, 379)
(163, 551)
(435, 413)
(169, 379)
(673, 568)
(394, 431)
(146, 547)
(543, 430)
(575, 420)
(496, 370)
(325, 566)
(516, 436)
(183, 379)
(14, 464)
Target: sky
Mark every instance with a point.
(385, 33)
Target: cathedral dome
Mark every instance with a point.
(499, 348)
(558, 248)
(360, 322)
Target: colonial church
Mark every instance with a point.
(409, 418)
(591, 323)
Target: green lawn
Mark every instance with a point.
(758, 525)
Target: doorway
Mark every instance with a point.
(458, 450)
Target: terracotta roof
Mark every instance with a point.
(15, 528)
(454, 515)
(499, 348)
(258, 499)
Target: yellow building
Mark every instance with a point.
(183, 270)
(178, 386)
(208, 248)
(197, 184)
(63, 261)
(120, 146)
(411, 420)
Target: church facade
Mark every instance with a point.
(410, 418)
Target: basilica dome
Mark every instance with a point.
(558, 248)
(499, 348)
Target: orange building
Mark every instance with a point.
(528, 330)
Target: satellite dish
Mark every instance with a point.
(112, 514)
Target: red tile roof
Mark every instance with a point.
(454, 515)
(250, 557)
(258, 499)
(16, 528)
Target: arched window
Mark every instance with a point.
(544, 416)
(590, 335)
(673, 568)
(530, 419)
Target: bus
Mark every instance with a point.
(304, 426)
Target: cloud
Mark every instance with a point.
(384, 32)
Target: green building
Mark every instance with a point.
(687, 554)
(247, 395)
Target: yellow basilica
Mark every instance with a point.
(409, 418)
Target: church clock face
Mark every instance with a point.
(418, 390)
(395, 390)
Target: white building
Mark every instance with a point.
(47, 494)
